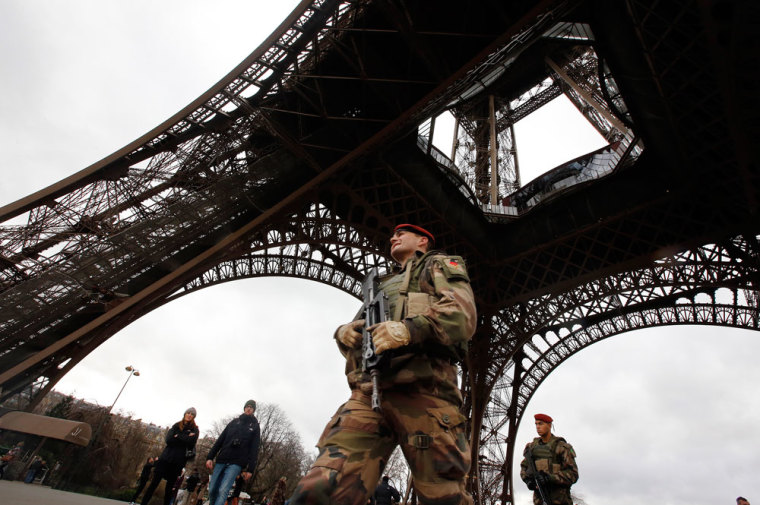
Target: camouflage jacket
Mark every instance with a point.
(562, 469)
(439, 313)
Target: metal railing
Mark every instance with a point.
(581, 170)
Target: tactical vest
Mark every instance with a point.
(405, 298)
(424, 364)
(392, 287)
(398, 287)
(547, 451)
(544, 451)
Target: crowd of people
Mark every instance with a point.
(9, 456)
(36, 468)
(232, 459)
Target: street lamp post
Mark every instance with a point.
(132, 371)
(68, 475)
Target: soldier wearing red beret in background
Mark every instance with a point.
(555, 463)
(432, 318)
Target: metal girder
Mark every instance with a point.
(709, 285)
(302, 158)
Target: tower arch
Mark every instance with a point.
(714, 284)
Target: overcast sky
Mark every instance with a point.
(663, 416)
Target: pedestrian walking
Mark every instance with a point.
(180, 447)
(236, 452)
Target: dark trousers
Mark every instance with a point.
(140, 486)
(167, 471)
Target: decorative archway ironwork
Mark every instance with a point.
(715, 284)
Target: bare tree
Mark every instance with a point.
(217, 427)
(281, 455)
(578, 499)
(398, 471)
(108, 466)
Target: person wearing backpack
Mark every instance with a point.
(234, 453)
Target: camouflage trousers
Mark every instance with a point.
(357, 443)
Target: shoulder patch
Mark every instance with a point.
(453, 267)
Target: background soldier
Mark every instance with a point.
(554, 460)
(433, 316)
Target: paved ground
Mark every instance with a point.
(18, 493)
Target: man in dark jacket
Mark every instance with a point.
(385, 493)
(236, 450)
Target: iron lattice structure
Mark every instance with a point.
(301, 159)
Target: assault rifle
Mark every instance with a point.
(374, 310)
(542, 492)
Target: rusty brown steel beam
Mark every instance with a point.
(95, 171)
(161, 285)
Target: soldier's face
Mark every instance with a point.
(404, 243)
(542, 428)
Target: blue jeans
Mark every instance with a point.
(30, 474)
(221, 482)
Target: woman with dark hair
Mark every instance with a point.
(144, 476)
(278, 497)
(180, 446)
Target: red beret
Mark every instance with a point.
(544, 418)
(416, 229)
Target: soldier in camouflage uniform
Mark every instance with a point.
(433, 317)
(555, 463)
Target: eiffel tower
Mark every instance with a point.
(299, 162)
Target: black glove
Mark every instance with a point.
(543, 479)
(531, 484)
